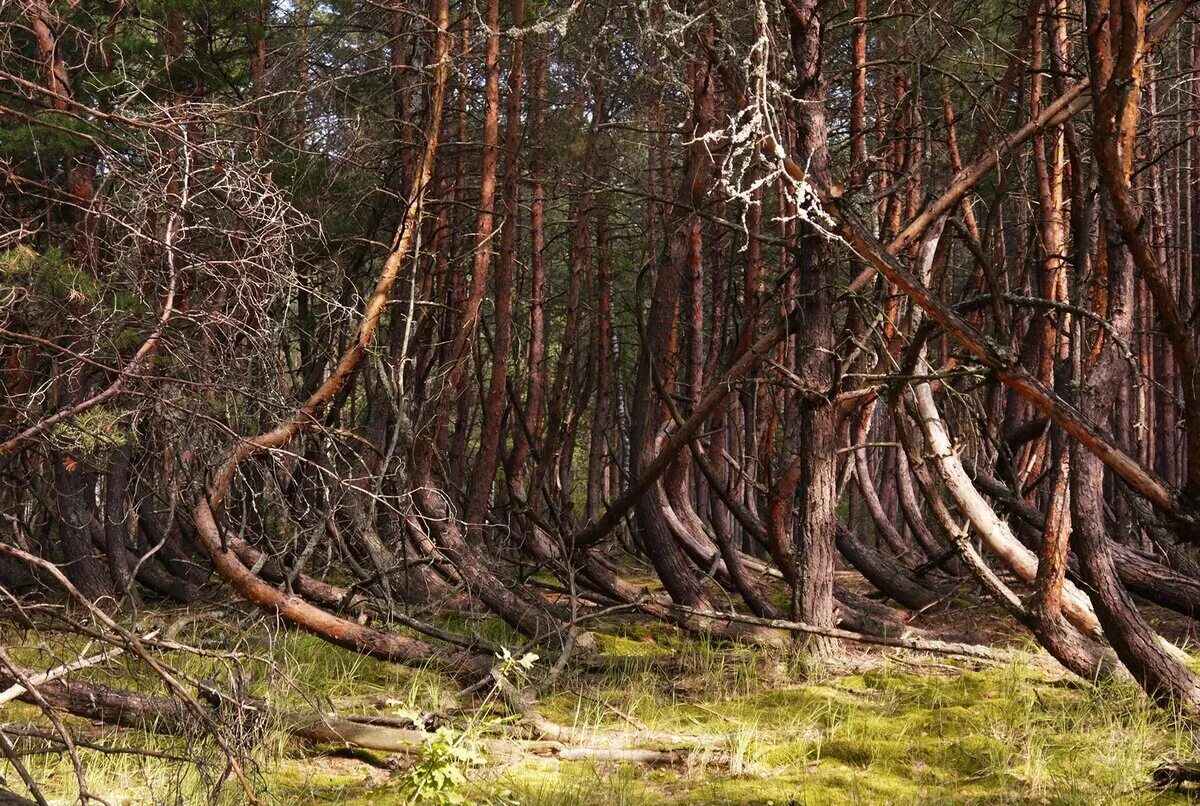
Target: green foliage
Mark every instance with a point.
(440, 770)
(50, 280)
(92, 433)
(447, 755)
(48, 274)
(51, 135)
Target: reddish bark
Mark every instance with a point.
(490, 432)
(536, 355)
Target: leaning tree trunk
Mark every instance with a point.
(671, 563)
(491, 428)
(117, 514)
(1163, 677)
(293, 610)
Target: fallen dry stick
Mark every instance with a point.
(917, 644)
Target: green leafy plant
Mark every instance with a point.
(441, 767)
(512, 666)
(446, 754)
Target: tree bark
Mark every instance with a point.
(817, 444)
(74, 496)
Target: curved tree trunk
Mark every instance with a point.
(1162, 676)
(883, 573)
(995, 533)
(292, 609)
(674, 569)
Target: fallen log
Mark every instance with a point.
(1175, 773)
(974, 651)
(332, 730)
(167, 716)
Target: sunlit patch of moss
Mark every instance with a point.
(298, 780)
(893, 736)
(838, 787)
(891, 733)
(786, 755)
(537, 783)
(622, 646)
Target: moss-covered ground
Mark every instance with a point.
(871, 727)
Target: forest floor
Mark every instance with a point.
(874, 726)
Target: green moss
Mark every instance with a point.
(298, 780)
(625, 647)
(890, 734)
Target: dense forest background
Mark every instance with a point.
(454, 335)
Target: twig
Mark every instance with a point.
(13, 692)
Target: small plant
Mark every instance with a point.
(440, 769)
(513, 666)
(446, 754)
